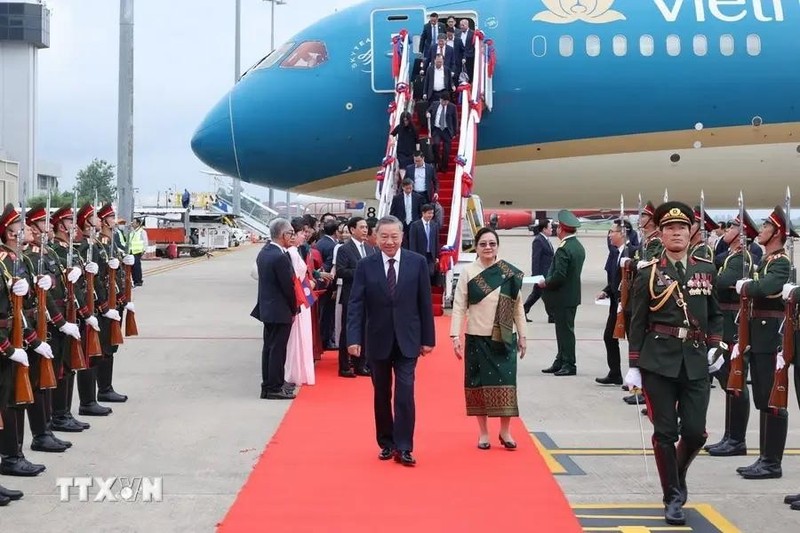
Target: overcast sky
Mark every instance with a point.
(183, 64)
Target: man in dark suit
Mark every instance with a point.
(441, 49)
(430, 33)
(423, 237)
(617, 255)
(327, 319)
(276, 307)
(390, 315)
(445, 127)
(407, 207)
(348, 256)
(423, 177)
(541, 256)
(465, 49)
(438, 81)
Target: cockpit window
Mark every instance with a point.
(274, 56)
(309, 54)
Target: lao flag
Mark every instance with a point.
(303, 292)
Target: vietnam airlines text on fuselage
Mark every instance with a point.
(580, 77)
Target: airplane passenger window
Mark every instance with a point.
(565, 45)
(274, 56)
(646, 45)
(593, 46)
(539, 46)
(753, 44)
(620, 45)
(309, 54)
(726, 44)
(673, 45)
(700, 45)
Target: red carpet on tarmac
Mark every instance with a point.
(320, 472)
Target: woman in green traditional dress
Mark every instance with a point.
(488, 295)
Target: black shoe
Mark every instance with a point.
(609, 380)
(788, 500)
(4, 501)
(363, 372)
(46, 443)
(11, 494)
(673, 511)
(722, 441)
(634, 399)
(795, 506)
(753, 466)
(280, 395)
(565, 372)
(94, 409)
(63, 442)
(404, 458)
(729, 448)
(111, 396)
(527, 319)
(77, 422)
(765, 470)
(552, 369)
(347, 374)
(507, 444)
(67, 425)
(386, 454)
(484, 446)
(19, 466)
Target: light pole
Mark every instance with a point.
(272, 49)
(237, 55)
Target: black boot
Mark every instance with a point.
(775, 442)
(86, 391)
(47, 443)
(791, 498)
(727, 434)
(762, 434)
(12, 495)
(105, 374)
(70, 396)
(739, 417)
(686, 453)
(667, 463)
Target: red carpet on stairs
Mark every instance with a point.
(321, 473)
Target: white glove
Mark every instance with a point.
(633, 379)
(20, 357)
(780, 362)
(128, 260)
(624, 261)
(787, 290)
(715, 360)
(44, 350)
(740, 284)
(712, 352)
(113, 314)
(71, 329)
(619, 308)
(92, 321)
(44, 283)
(641, 264)
(20, 288)
(74, 275)
(129, 306)
(735, 351)
(92, 268)
(113, 263)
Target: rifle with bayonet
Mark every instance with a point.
(92, 348)
(626, 277)
(736, 378)
(77, 360)
(131, 328)
(47, 376)
(115, 327)
(23, 392)
(778, 396)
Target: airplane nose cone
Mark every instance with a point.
(213, 144)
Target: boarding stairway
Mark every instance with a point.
(255, 215)
(456, 182)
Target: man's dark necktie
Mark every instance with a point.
(681, 270)
(391, 278)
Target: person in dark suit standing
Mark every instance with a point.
(390, 315)
(327, 303)
(276, 307)
(618, 253)
(541, 256)
(348, 256)
(438, 80)
(407, 206)
(430, 33)
(465, 49)
(423, 237)
(440, 48)
(423, 177)
(444, 127)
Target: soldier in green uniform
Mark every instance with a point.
(791, 293)
(61, 223)
(765, 340)
(698, 247)
(17, 275)
(737, 408)
(676, 325)
(562, 292)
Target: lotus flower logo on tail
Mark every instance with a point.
(568, 11)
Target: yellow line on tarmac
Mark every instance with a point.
(629, 451)
(551, 462)
(638, 529)
(713, 516)
(621, 517)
